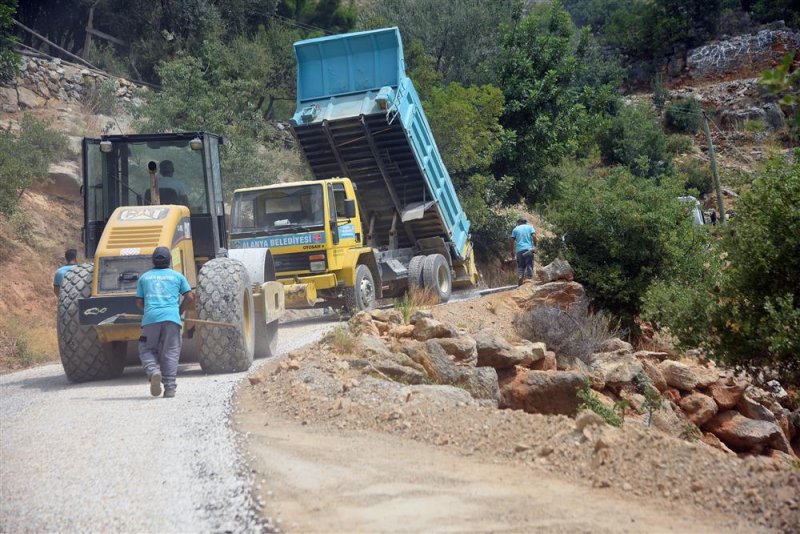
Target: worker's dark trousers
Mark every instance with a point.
(160, 349)
(525, 264)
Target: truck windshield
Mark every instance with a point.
(279, 209)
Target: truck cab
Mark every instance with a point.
(315, 232)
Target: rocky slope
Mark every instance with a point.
(715, 441)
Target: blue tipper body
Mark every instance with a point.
(359, 116)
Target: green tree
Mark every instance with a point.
(225, 95)
(743, 305)
(621, 234)
(466, 126)
(634, 138)
(8, 59)
(462, 36)
(536, 69)
(25, 157)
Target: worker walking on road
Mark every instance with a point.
(523, 244)
(158, 293)
(71, 256)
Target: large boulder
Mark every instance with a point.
(400, 373)
(726, 393)
(618, 367)
(742, 433)
(543, 392)
(64, 180)
(614, 344)
(426, 328)
(558, 269)
(387, 316)
(749, 406)
(654, 374)
(495, 351)
(698, 408)
(678, 375)
(480, 382)
(561, 294)
(705, 375)
(462, 348)
(28, 99)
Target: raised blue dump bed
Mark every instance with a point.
(359, 116)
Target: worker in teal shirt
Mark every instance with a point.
(71, 256)
(158, 293)
(523, 244)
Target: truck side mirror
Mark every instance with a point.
(349, 208)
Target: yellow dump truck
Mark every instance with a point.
(133, 204)
(382, 214)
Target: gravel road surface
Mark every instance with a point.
(106, 456)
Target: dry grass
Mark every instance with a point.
(413, 300)
(23, 346)
(341, 340)
(574, 333)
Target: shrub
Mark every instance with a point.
(697, 176)
(684, 115)
(634, 138)
(574, 333)
(679, 144)
(24, 158)
(102, 97)
(614, 416)
(743, 305)
(621, 234)
(660, 92)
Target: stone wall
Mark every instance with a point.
(44, 82)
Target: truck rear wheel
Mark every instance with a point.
(415, 272)
(83, 355)
(266, 339)
(224, 295)
(362, 295)
(437, 277)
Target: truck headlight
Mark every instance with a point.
(316, 262)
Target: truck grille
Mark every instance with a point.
(137, 236)
(295, 261)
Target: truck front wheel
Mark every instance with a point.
(362, 295)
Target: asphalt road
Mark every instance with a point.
(106, 456)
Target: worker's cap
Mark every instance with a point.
(522, 220)
(162, 257)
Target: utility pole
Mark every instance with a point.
(713, 157)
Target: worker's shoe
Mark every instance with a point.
(155, 384)
(169, 393)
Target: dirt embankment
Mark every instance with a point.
(32, 243)
(352, 413)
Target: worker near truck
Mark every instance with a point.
(71, 256)
(158, 293)
(523, 245)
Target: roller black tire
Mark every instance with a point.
(415, 272)
(224, 294)
(83, 356)
(266, 339)
(362, 295)
(437, 277)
